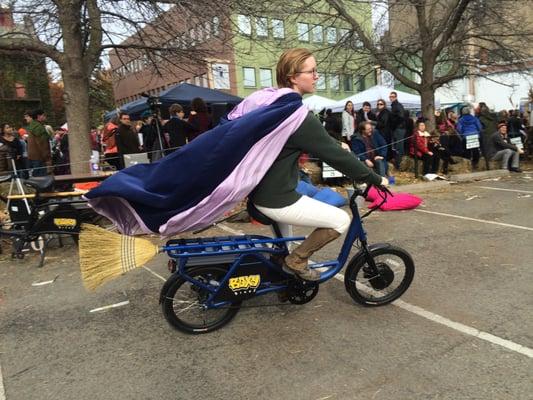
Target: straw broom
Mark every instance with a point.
(106, 255)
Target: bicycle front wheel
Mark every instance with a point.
(392, 276)
(184, 303)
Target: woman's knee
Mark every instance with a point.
(343, 222)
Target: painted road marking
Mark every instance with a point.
(154, 273)
(504, 190)
(122, 303)
(526, 228)
(2, 391)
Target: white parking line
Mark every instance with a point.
(2, 391)
(504, 190)
(476, 220)
(122, 303)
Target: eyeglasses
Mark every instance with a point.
(312, 71)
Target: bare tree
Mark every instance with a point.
(428, 44)
(75, 33)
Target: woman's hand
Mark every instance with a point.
(345, 146)
(384, 181)
(369, 164)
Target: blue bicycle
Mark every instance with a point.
(211, 277)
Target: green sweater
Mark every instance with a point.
(277, 189)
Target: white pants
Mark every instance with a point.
(308, 212)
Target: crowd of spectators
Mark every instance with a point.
(389, 132)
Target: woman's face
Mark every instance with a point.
(8, 130)
(422, 127)
(304, 80)
(349, 106)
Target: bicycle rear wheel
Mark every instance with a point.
(394, 273)
(184, 303)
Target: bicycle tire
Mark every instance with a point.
(360, 294)
(208, 273)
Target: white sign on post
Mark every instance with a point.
(472, 142)
(330, 172)
(517, 141)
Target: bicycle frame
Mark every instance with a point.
(184, 252)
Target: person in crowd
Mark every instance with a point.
(10, 149)
(449, 137)
(199, 118)
(127, 138)
(25, 164)
(332, 125)
(154, 141)
(365, 113)
(39, 154)
(419, 147)
(441, 151)
(371, 148)
(348, 122)
(502, 150)
(398, 128)
(514, 125)
(469, 126)
(179, 131)
(60, 152)
(109, 139)
(383, 121)
(488, 122)
(94, 138)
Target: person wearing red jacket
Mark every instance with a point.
(419, 147)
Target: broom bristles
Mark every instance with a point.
(105, 255)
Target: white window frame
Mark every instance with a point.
(247, 81)
(216, 26)
(261, 27)
(331, 35)
(317, 34)
(321, 82)
(334, 82)
(303, 31)
(265, 81)
(278, 29)
(244, 24)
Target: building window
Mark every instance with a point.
(344, 36)
(334, 82)
(361, 84)
(261, 27)
(347, 83)
(321, 82)
(303, 32)
(317, 35)
(244, 24)
(331, 35)
(20, 90)
(207, 30)
(197, 80)
(265, 77)
(204, 80)
(216, 26)
(249, 77)
(278, 29)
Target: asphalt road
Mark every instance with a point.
(473, 280)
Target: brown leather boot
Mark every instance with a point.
(297, 260)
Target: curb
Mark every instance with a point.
(445, 185)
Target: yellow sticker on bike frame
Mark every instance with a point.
(65, 222)
(244, 282)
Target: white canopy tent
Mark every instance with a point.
(373, 94)
(316, 103)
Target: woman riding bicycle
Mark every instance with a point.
(276, 197)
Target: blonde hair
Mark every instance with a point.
(289, 63)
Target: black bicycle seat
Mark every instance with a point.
(40, 183)
(257, 215)
(5, 178)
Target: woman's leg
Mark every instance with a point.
(426, 159)
(330, 221)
